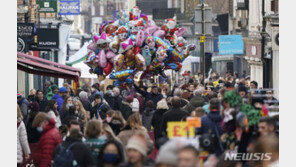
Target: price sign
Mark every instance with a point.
(180, 129)
(193, 122)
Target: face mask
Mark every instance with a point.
(108, 119)
(68, 105)
(103, 137)
(39, 129)
(110, 158)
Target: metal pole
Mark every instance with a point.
(265, 70)
(202, 44)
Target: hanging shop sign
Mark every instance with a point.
(25, 34)
(46, 39)
(231, 44)
(69, 7)
(47, 6)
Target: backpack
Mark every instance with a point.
(65, 157)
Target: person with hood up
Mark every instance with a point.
(53, 89)
(99, 108)
(147, 115)
(59, 97)
(24, 104)
(161, 108)
(196, 101)
(154, 95)
(49, 140)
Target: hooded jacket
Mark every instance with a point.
(49, 140)
(22, 142)
(59, 100)
(208, 123)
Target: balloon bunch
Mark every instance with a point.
(134, 43)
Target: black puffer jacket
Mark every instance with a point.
(147, 118)
(156, 122)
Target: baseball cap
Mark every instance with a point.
(63, 90)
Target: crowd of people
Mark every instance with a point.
(107, 126)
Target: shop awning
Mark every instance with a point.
(39, 66)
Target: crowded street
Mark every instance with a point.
(139, 83)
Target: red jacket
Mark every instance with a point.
(49, 140)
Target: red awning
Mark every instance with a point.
(39, 66)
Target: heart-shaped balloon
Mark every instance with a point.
(102, 60)
(110, 56)
(108, 68)
(140, 38)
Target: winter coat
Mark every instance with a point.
(116, 125)
(42, 104)
(208, 123)
(101, 108)
(149, 96)
(86, 104)
(33, 134)
(117, 102)
(127, 133)
(57, 119)
(141, 102)
(109, 99)
(156, 122)
(196, 101)
(95, 146)
(147, 118)
(49, 140)
(59, 100)
(81, 153)
(175, 114)
(184, 102)
(23, 103)
(126, 109)
(22, 142)
(69, 118)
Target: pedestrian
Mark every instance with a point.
(22, 140)
(23, 104)
(168, 154)
(32, 95)
(154, 95)
(137, 152)
(99, 108)
(41, 100)
(60, 96)
(49, 140)
(33, 134)
(80, 112)
(147, 115)
(175, 114)
(64, 111)
(70, 91)
(111, 154)
(117, 98)
(47, 84)
(93, 130)
(188, 156)
(198, 112)
(196, 101)
(126, 108)
(53, 89)
(109, 96)
(72, 116)
(108, 134)
(85, 101)
(52, 111)
(81, 154)
(266, 126)
(210, 95)
(115, 121)
(161, 108)
(254, 85)
(95, 89)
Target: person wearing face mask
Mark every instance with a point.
(72, 115)
(49, 140)
(60, 96)
(93, 140)
(111, 154)
(64, 112)
(109, 96)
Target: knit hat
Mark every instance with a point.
(129, 98)
(162, 104)
(168, 154)
(63, 90)
(19, 95)
(137, 144)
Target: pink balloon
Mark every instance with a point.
(180, 32)
(159, 33)
(92, 46)
(110, 56)
(150, 30)
(140, 38)
(102, 60)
